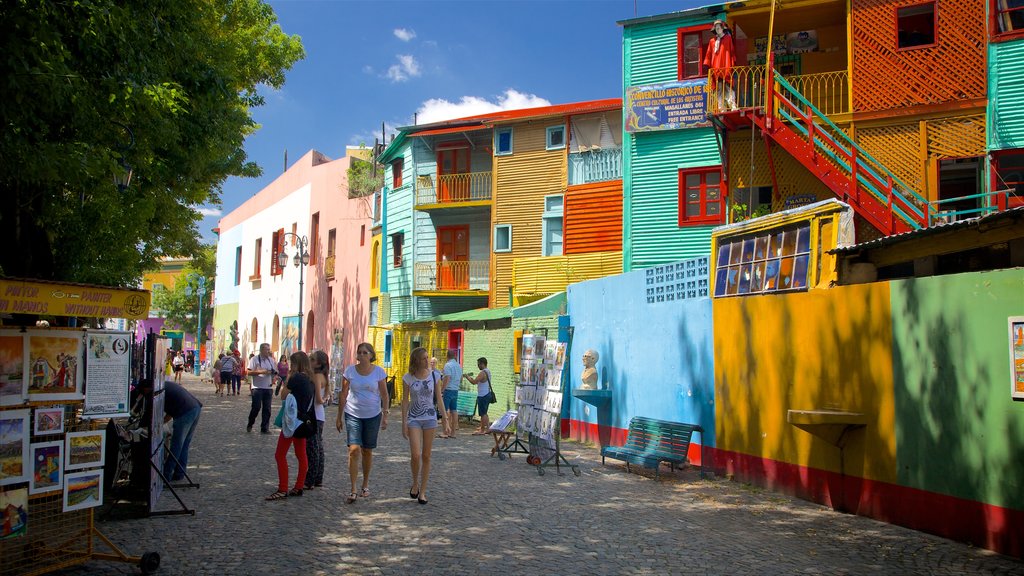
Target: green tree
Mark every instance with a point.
(164, 86)
(179, 305)
(365, 175)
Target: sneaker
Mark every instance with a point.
(248, 428)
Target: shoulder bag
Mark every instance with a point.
(491, 398)
(307, 429)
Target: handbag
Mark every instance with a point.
(491, 398)
(279, 421)
(307, 429)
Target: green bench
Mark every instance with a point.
(466, 406)
(650, 442)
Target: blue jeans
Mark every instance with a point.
(181, 437)
(261, 400)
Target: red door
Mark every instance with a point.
(453, 257)
(452, 161)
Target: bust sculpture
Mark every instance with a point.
(589, 375)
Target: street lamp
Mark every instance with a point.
(301, 259)
(200, 291)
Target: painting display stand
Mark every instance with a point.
(167, 484)
(506, 436)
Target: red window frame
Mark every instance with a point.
(681, 33)
(1000, 178)
(703, 218)
(396, 173)
(994, 13)
(935, 25)
(314, 238)
(277, 246)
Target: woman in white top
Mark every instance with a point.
(421, 394)
(483, 391)
(363, 408)
(321, 367)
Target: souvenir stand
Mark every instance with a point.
(539, 395)
(58, 388)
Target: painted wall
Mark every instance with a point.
(593, 217)
(496, 342)
(400, 219)
(1006, 104)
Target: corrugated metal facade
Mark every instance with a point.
(521, 181)
(401, 308)
(651, 232)
(399, 209)
(593, 218)
(547, 275)
(428, 306)
(1007, 95)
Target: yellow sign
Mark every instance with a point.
(51, 299)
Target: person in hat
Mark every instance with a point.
(720, 58)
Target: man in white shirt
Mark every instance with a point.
(452, 379)
(262, 368)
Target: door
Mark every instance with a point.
(453, 257)
(455, 337)
(453, 174)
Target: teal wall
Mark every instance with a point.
(957, 430)
(1006, 95)
(400, 219)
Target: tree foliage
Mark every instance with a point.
(365, 177)
(179, 305)
(165, 86)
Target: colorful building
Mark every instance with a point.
(166, 277)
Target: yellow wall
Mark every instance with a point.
(816, 350)
(167, 275)
(521, 180)
(547, 275)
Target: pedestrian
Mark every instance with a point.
(245, 372)
(300, 388)
(236, 374)
(483, 392)
(179, 366)
(183, 408)
(421, 391)
(227, 371)
(282, 369)
(363, 410)
(261, 369)
(218, 384)
(315, 444)
(452, 380)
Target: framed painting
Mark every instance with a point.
(13, 384)
(49, 420)
(83, 490)
(14, 505)
(54, 366)
(1017, 357)
(47, 467)
(84, 449)
(14, 442)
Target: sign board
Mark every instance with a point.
(45, 298)
(108, 374)
(667, 106)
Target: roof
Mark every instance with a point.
(455, 130)
(554, 305)
(557, 110)
(709, 10)
(986, 221)
(473, 315)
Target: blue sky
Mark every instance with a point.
(369, 63)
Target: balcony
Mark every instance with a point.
(456, 277)
(329, 268)
(453, 190)
(827, 91)
(595, 166)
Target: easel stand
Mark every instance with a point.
(504, 444)
(167, 484)
(558, 459)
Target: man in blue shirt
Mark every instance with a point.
(452, 379)
(181, 406)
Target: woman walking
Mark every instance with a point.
(421, 393)
(300, 387)
(363, 410)
(315, 444)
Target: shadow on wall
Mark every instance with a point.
(349, 315)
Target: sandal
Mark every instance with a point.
(277, 496)
(365, 492)
(295, 492)
(351, 498)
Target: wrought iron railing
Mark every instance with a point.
(595, 166)
(452, 275)
(453, 188)
(829, 92)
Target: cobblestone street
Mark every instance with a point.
(487, 516)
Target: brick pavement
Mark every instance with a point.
(487, 516)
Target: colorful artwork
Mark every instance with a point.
(47, 462)
(12, 369)
(666, 106)
(48, 421)
(803, 41)
(84, 449)
(13, 513)
(54, 371)
(83, 490)
(289, 335)
(14, 437)
(1017, 357)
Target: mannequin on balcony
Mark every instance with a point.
(720, 58)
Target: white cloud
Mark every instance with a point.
(404, 35)
(207, 212)
(407, 67)
(438, 109)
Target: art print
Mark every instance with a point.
(48, 421)
(1017, 357)
(13, 383)
(528, 343)
(84, 449)
(538, 346)
(47, 467)
(14, 442)
(54, 367)
(83, 490)
(13, 513)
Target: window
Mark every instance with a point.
(1008, 16)
(770, 261)
(552, 226)
(503, 238)
(396, 173)
(276, 247)
(503, 142)
(692, 44)
(314, 238)
(238, 265)
(258, 252)
(700, 196)
(375, 265)
(396, 248)
(1008, 171)
(388, 345)
(157, 287)
(555, 138)
(915, 26)
(362, 235)
(332, 237)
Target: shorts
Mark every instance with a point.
(482, 403)
(451, 400)
(423, 424)
(362, 431)
(179, 368)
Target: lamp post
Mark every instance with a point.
(301, 259)
(200, 291)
